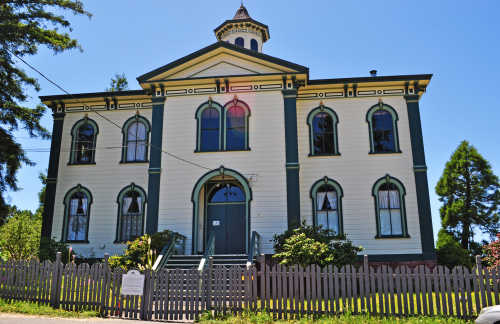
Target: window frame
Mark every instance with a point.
(340, 194)
(310, 117)
(119, 201)
(242, 38)
(66, 202)
(256, 42)
(402, 193)
(395, 119)
(74, 129)
(126, 125)
(199, 111)
(237, 103)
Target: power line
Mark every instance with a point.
(89, 108)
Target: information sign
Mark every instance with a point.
(133, 283)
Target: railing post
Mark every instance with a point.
(478, 260)
(55, 280)
(104, 285)
(209, 282)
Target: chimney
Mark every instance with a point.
(373, 73)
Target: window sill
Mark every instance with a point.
(92, 163)
(133, 162)
(74, 242)
(242, 150)
(324, 154)
(392, 236)
(398, 152)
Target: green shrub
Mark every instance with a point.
(49, 249)
(20, 235)
(492, 252)
(449, 252)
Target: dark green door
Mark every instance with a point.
(226, 215)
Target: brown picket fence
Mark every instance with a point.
(283, 292)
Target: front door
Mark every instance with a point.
(226, 216)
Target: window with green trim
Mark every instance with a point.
(323, 139)
(382, 125)
(236, 125)
(131, 201)
(390, 208)
(135, 140)
(326, 195)
(209, 126)
(77, 211)
(83, 143)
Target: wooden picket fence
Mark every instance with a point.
(285, 293)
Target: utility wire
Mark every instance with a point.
(89, 108)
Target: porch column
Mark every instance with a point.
(155, 165)
(420, 172)
(50, 193)
(292, 156)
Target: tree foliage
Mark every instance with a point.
(120, 83)
(20, 236)
(24, 26)
(470, 194)
(450, 253)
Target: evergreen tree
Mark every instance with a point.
(470, 194)
(24, 26)
(118, 84)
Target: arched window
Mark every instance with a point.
(84, 134)
(225, 192)
(135, 138)
(254, 46)
(239, 42)
(209, 120)
(322, 123)
(389, 202)
(76, 222)
(382, 126)
(210, 137)
(326, 195)
(131, 200)
(235, 129)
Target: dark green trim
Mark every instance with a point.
(398, 257)
(324, 154)
(292, 156)
(133, 162)
(50, 193)
(203, 51)
(125, 127)
(90, 199)
(421, 182)
(395, 118)
(248, 113)
(119, 201)
(370, 79)
(197, 115)
(402, 193)
(154, 170)
(310, 116)
(155, 164)
(74, 129)
(103, 95)
(340, 194)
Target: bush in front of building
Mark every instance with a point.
(308, 245)
(49, 249)
(450, 253)
(492, 252)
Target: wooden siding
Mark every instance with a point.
(356, 171)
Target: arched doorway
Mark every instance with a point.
(221, 203)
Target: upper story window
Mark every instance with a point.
(254, 45)
(322, 123)
(76, 222)
(235, 129)
(210, 130)
(239, 42)
(84, 135)
(382, 125)
(131, 200)
(135, 140)
(327, 208)
(389, 204)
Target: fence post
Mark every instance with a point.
(209, 283)
(104, 285)
(55, 279)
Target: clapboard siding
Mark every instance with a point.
(356, 171)
(266, 159)
(105, 179)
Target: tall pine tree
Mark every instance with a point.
(24, 26)
(470, 194)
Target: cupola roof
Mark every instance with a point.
(242, 13)
(242, 19)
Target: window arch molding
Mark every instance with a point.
(66, 202)
(119, 201)
(125, 128)
(74, 130)
(402, 193)
(340, 194)
(395, 119)
(335, 118)
(209, 104)
(241, 104)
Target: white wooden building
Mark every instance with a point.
(241, 141)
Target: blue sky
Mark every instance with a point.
(457, 41)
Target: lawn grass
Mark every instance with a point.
(347, 318)
(29, 308)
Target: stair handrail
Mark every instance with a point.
(172, 247)
(253, 248)
(209, 251)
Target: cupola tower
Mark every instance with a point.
(243, 31)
